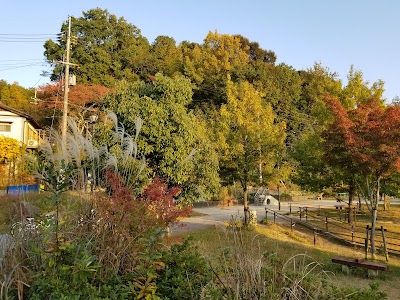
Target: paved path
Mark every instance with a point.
(218, 216)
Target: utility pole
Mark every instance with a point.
(66, 87)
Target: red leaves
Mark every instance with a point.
(367, 138)
(80, 94)
(160, 200)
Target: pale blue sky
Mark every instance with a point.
(336, 33)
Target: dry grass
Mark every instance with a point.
(390, 220)
(280, 242)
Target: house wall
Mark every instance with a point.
(17, 126)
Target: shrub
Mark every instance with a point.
(185, 273)
(70, 274)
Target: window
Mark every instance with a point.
(5, 127)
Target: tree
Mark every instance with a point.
(105, 47)
(312, 172)
(249, 136)
(173, 140)
(167, 56)
(358, 91)
(255, 52)
(81, 96)
(370, 135)
(211, 64)
(337, 156)
(281, 87)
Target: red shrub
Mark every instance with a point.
(160, 201)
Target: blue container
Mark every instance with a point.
(20, 189)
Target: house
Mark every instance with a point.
(19, 126)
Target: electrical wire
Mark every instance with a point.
(28, 34)
(23, 66)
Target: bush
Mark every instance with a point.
(185, 273)
(71, 274)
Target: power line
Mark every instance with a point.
(16, 60)
(22, 41)
(23, 66)
(28, 34)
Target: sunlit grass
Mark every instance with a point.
(280, 242)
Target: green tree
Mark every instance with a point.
(358, 91)
(167, 56)
(212, 64)
(281, 87)
(105, 47)
(14, 95)
(312, 171)
(256, 53)
(249, 136)
(174, 141)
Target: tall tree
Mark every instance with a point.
(174, 141)
(358, 91)
(106, 48)
(249, 136)
(167, 56)
(370, 135)
(255, 52)
(212, 64)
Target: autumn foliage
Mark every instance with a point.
(367, 137)
(81, 94)
(159, 199)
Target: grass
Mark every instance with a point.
(280, 242)
(37, 203)
(390, 220)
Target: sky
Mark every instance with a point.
(336, 33)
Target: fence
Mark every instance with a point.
(387, 242)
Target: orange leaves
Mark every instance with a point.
(367, 137)
(81, 94)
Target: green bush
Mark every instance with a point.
(71, 274)
(185, 273)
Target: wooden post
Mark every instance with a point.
(300, 212)
(315, 237)
(274, 217)
(326, 223)
(290, 208)
(306, 214)
(266, 214)
(366, 242)
(352, 233)
(384, 244)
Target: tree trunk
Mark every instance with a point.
(374, 217)
(373, 230)
(351, 199)
(246, 206)
(385, 204)
(279, 198)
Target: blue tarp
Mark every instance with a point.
(19, 189)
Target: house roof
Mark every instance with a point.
(22, 114)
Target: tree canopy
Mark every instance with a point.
(173, 140)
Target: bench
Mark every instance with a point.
(372, 266)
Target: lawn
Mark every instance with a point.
(280, 242)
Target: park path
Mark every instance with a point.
(205, 217)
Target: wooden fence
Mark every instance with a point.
(387, 242)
